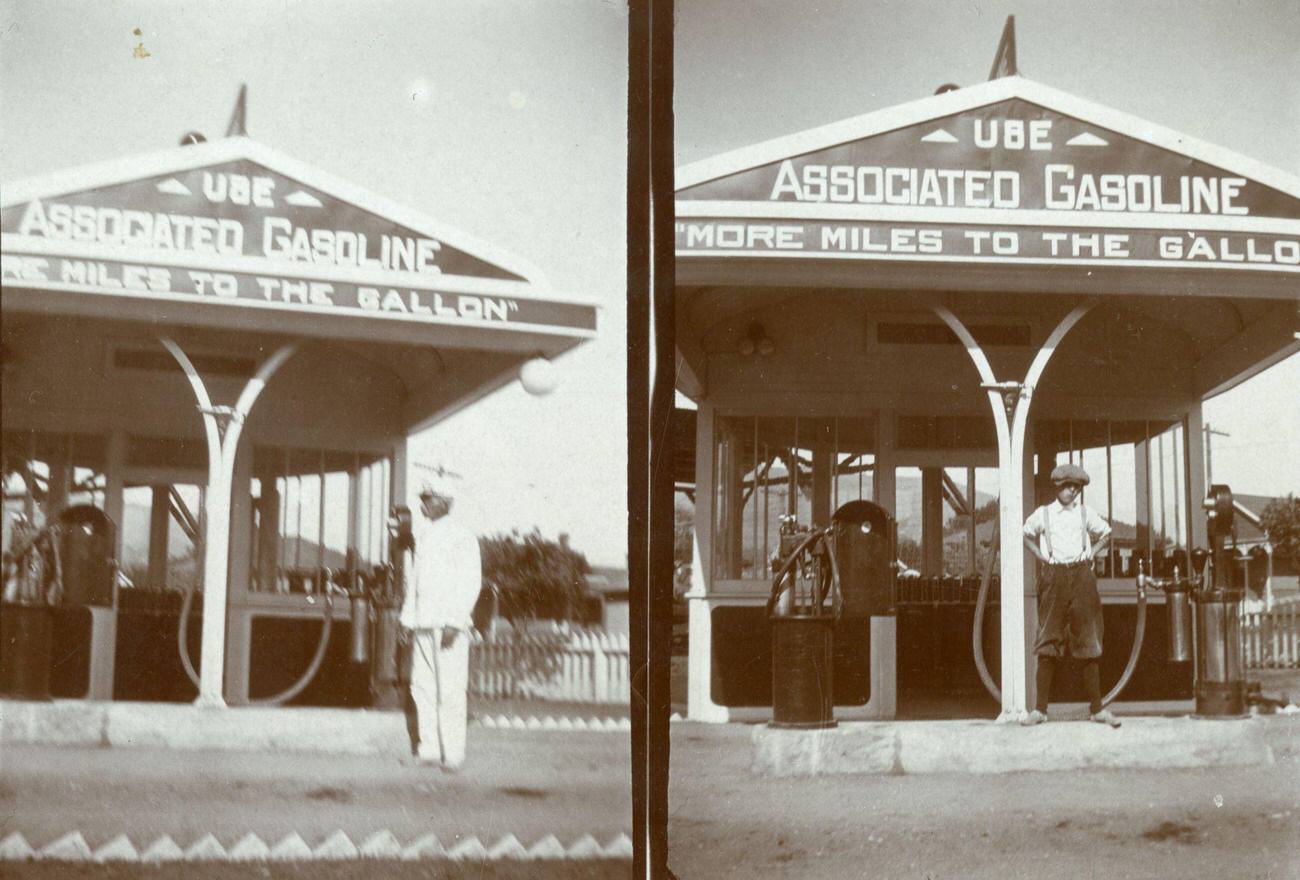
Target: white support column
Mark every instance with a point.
(699, 660)
(103, 621)
(1029, 574)
(883, 703)
(115, 484)
(222, 427)
(1010, 403)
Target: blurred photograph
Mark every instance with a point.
(314, 449)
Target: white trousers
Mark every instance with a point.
(439, 681)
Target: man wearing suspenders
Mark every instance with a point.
(1066, 536)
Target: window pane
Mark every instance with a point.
(769, 468)
(1088, 440)
(303, 515)
(1128, 495)
(854, 461)
(732, 460)
(1169, 526)
(907, 494)
(967, 542)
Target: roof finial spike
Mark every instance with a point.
(1004, 62)
(236, 127)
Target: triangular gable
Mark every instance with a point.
(1008, 172)
(250, 202)
(234, 225)
(967, 129)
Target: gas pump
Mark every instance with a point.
(1220, 677)
(865, 538)
(846, 569)
(70, 562)
(1207, 600)
(383, 592)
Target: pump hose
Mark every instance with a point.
(779, 578)
(182, 639)
(977, 631)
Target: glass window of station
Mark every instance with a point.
(1139, 483)
(315, 511)
(310, 511)
(766, 470)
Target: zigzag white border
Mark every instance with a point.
(72, 847)
(549, 722)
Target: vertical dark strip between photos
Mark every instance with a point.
(661, 412)
(638, 331)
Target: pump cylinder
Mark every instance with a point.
(1220, 680)
(386, 667)
(802, 685)
(1178, 609)
(360, 628)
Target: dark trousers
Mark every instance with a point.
(1069, 612)
(1069, 617)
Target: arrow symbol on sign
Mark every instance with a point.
(939, 136)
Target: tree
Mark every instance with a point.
(1281, 520)
(534, 576)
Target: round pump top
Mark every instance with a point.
(861, 512)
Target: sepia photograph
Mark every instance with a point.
(986, 445)
(314, 445)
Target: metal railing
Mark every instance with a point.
(550, 662)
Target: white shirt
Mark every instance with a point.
(1068, 541)
(445, 576)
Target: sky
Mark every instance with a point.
(505, 121)
(1223, 71)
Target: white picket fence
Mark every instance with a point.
(1271, 639)
(551, 663)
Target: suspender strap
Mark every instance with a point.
(1083, 524)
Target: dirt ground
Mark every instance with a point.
(1240, 823)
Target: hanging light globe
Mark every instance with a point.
(539, 377)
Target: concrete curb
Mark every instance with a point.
(72, 847)
(878, 748)
(245, 728)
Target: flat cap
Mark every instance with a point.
(1069, 473)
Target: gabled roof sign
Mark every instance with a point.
(1007, 171)
(235, 222)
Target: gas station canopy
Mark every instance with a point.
(236, 236)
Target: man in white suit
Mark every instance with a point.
(442, 587)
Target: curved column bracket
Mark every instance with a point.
(1010, 401)
(222, 425)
